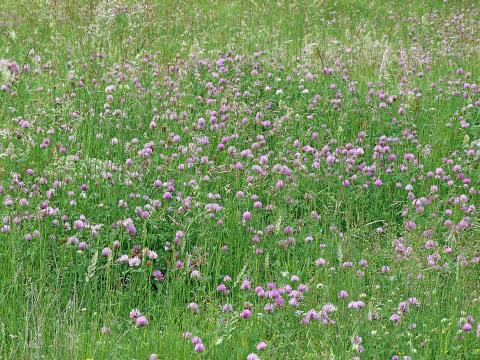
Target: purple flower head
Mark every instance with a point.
(199, 348)
(395, 318)
(245, 285)
(245, 313)
(134, 314)
(141, 321)
(196, 340)
(261, 345)
(158, 275)
(193, 307)
(223, 289)
(106, 251)
(134, 261)
(247, 216)
(358, 304)
(227, 308)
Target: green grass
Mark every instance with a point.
(54, 300)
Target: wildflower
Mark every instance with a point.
(223, 289)
(395, 318)
(227, 308)
(261, 345)
(199, 347)
(193, 307)
(141, 321)
(247, 216)
(359, 304)
(245, 285)
(158, 275)
(134, 314)
(245, 313)
(106, 251)
(134, 261)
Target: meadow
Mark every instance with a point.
(239, 179)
